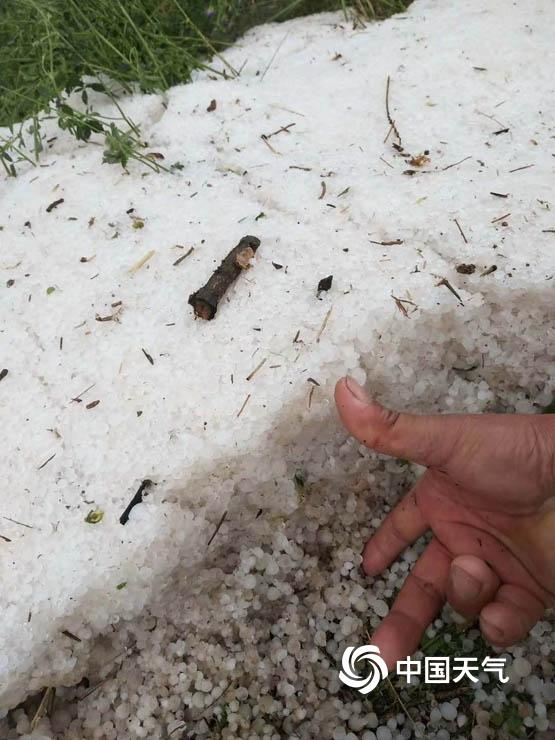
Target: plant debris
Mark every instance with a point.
(420, 160)
(466, 269)
(251, 375)
(499, 195)
(148, 357)
(71, 636)
(489, 270)
(92, 404)
(205, 300)
(461, 231)
(3, 373)
(243, 406)
(45, 707)
(212, 106)
(215, 532)
(388, 243)
(142, 261)
(393, 126)
(183, 256)
(137, 499)
(45, 463)
(54, 205)
(94, 516)
(324, 324)
(448, 285)
(325, 284)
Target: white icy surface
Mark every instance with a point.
(460, 71)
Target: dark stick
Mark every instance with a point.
(205, 300)
(137, 499)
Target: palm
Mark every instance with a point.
(487, 497)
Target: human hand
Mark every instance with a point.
(488, 496)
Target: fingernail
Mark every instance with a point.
(466, 586)
(494, 632)
(357, 390)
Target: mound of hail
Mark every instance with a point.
(436, 222)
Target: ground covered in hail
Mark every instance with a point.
(220, 606)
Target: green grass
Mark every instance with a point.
(415, 701)
(52, 47)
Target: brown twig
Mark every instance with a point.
(390, 243)
(456, 163)
(461, 231)
(205, 300)
(183, 256)
(219, 524)
(388, 113)
(448, 285)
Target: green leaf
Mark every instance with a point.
(94, 516)
(50, 290)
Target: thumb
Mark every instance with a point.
(427, 440)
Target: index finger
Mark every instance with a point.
(420, 599)
(400, 528)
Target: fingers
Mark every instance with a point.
(510, 616)
(419, 601)
(402, 526)
(471, 585)
(428, 440)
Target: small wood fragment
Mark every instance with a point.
(54, 205)
(461, 231)
(324, 324)
(388, 243)
(205, 300)
(142, 261)
(323, 191)
(137, 499)
(448, 285)
(489, 270)
(218, 525)
(243, 406)
(466, 269)
(500, 218)
(525, 167)
(499, 195)
(324, 284)
(388, 114)
(3, 373)
(148, 357)
(251, 375)
(455, 164)
(44, 708)
(401, 307)
(45, 463)
(183, 256)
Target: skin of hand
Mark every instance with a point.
(488, 496)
